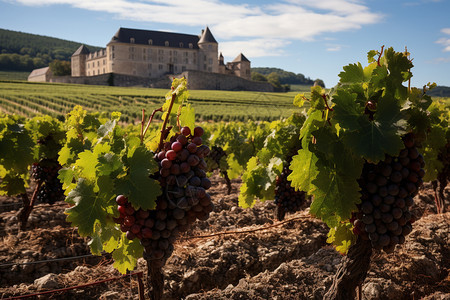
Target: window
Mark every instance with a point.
(166, 43)
(144, 58)
(210, 61)
(150, 42)
(98, 63)
(132, 40)
(186, 61)
(160, 67)
(131, 49)
(150, 67)
(191, 46)
(181, 45)
(183, 68)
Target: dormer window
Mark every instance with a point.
(132, 40)
(150, 42)
(181, 45)
(166, 43)
(191, 46)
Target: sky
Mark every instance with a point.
(315, 38)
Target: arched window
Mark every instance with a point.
(166, 43)
(132, 40)
(150, 42)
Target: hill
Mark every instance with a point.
(24, 51)
(440, 91)
(285, 77)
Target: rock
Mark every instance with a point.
(191, 276)
(49, 281)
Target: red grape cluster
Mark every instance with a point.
(183, 180)
(46, 172)
(287, 198)
(388, 189)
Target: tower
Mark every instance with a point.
(208, 52)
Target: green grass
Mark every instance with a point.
(13, 75)
(29, 99)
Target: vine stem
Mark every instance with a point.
(174, 95)
(352, 272)
(143, 132)
(25, 212)
(379, 57)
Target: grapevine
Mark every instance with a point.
(131, 194)
(360, 162)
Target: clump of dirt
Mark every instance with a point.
(236, 254)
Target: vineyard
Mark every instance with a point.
(29, 99)
(345, 197)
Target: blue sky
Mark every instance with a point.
(315, 38)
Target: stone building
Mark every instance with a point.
(153, 54)
(40, 75)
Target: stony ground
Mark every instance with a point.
(236, 254)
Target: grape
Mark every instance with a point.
(171, 155)
(121, 199)
(46, 172)
(186, 131)
(387, 191)
(287, 198)
(198, 131)
(177, 146)
(184, 200)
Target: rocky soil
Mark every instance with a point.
(235, 254)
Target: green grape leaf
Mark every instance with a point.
(342, 237)
(125, 256)
(12, 185)
(299, 100)
(346, 111)
(352, 73)
(304, 170)
(335, 196)
(141, 190)
(187, 117)
(66, 175)
(88, 208)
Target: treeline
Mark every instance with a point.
(440, 91)
(24, 51)
(286, 77)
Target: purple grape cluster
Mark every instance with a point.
(184, 183)
(287, 198)
(46, 172)
(388, 189)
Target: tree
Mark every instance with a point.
(319, 82)
(258, 77)
(60, 67)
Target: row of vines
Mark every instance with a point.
(358, 156)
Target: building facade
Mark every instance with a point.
(154, 54)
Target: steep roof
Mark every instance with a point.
(240, 57)
(81, 50)
(207, 37)
(159, 38)
(38, 72)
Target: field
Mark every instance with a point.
(29, 99)
(258, 258)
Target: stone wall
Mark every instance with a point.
(198, 80)
(105, 79)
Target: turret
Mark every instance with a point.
(208, 52)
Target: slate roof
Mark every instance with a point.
(81, 50)
(159, 38)
(240, 57)
(207, 37)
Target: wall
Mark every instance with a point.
(198, 80)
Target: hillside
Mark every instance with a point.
(285, 77)
(24, 51)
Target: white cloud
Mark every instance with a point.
(253, 48)
(273, 26)
(445, 41)
(445, 30)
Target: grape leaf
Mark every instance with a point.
(88, 208)
(304, 170)
(335, 195)
(125, 256)
(141, 190)
(342, 237)
(352, 73)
